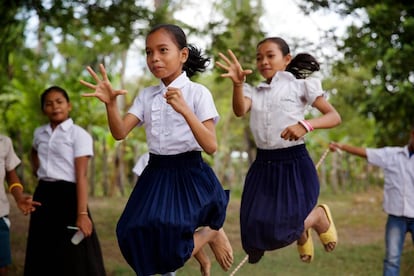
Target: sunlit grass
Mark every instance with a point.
(358, 217)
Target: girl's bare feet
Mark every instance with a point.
(204, 261)
(221, 247)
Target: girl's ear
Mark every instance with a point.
(288, 59)
(185, 52)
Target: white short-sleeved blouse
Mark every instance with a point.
(58, 149)
(279, 104)
(166, 130)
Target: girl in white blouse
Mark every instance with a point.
(60, 154)
(281, 188)
(177, 192)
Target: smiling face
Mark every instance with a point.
(56, 107)
(164, 58)
(270, 59)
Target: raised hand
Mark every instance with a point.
(103, 88)
(234, 70)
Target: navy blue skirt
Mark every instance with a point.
(174, 195)
(281, 189)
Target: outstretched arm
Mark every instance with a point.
(358, 151)
(120, 127)
(241, 104)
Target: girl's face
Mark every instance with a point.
(164, 59)
(270, 59)
(56, 108)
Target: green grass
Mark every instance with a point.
(358, 217)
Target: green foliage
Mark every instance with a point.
(379, 42)
(371, 87)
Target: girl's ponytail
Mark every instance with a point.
(196, 62)
(302, 65)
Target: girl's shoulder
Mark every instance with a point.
(78, 129)
(40, 128)
(313, 84)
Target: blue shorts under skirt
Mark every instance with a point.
(280, 191)
(174, 195)
(49, 248)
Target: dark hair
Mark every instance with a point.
(302, 65)
(53, 89)
(196, 61)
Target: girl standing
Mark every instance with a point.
(60, 154)
(281, 187)
(177, 192)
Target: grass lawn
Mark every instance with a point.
(358, 217)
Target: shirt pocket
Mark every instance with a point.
(289, 103)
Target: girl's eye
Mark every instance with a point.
(147, 52)
(164, 50)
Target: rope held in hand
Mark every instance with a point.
(325, 153)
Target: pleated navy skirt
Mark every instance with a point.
(49, 248)
(174, 195)
(281, 189)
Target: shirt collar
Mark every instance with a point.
(65, 125)
(280, 75)
(179, 82)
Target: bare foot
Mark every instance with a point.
(204, 261)
(221, 247)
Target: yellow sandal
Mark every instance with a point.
(306, 249)
(331, 235)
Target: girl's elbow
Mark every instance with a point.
(118, 137)
(338, 119)
(238, 113)
(210, 150)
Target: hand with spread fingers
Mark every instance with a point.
(234, 70)
(103, 88)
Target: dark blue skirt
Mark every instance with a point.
(280, 191)
(174, 196)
